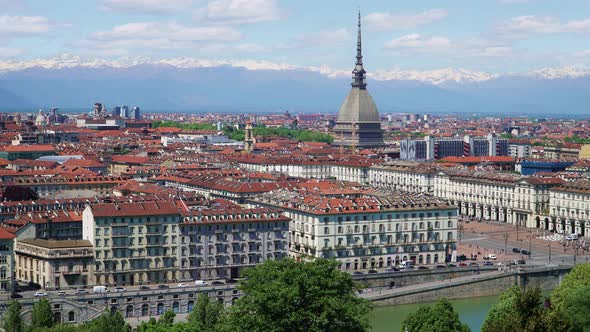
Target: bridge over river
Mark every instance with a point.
(470, 284)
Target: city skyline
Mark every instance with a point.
(486, 39)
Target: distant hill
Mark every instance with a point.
(227, 88)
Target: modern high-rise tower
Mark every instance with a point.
(358, 124)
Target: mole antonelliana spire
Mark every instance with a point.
(358, 123)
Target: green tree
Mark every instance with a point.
(577, 307)
(517, 310)
(294, 296)
(42, 315)
(167, 319)
(206, 314)
(12, 320)
(440, 317)
(111, 321)
(566, 294)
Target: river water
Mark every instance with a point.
(471, 312)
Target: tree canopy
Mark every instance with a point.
(294, 296)
(41, 315)
(12, 321)
(17, 193)
(517, 310)
(440, 317)
(567, 295)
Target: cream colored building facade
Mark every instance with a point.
(54, 264)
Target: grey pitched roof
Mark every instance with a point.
(358, 107)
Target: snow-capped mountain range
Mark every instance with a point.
(436, 77)
(69, 81)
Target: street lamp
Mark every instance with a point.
(549, 245)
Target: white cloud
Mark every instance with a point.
(238, 11)
(16, 26)
(154, 37)
(146, 6)
(388, 21)
(6, 52)
(418, 42)
(524, 26)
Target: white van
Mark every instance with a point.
(101, 289)
(200, 283)
(405, 265)
(571, 237)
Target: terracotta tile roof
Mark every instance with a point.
(28, 148)
(135, 209)
(5, 235)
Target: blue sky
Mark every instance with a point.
(495, 36)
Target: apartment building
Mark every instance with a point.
(219, 241)
(67, 186)
(54, 264)
(496, 196)
(366, 231)
(569, 209)
(6, 263)
(134, 243)
(403, 175)
(431, 148)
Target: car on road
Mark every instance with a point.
(231, 281)
(440, 267)
(571, 237)
(521, 262)
(216, 282)
(473, 264)
(163, 287)
(16, 296)
(516, 250)
(357, 273)
(182, 285)
(500, 264)
(144, 287)
(451, 265)
(61, 293)
(40, 294)
(462, 264)
(525, 252)
(373, 271)
(487, 263)
(120, 289)
(80, 291)
(392, 269)
(492, 257)
(422, 267)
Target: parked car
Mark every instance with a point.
(473, 264)
(144, 287)
(462, 264)
(373, 271)
(422, 267)
(516, 250)
(487, 263)
(356, 273)
(182, 285)
(392, 269)
(61, 293)
(39, 294)
(451, 265)
(120, 289)
(521, 262)
(492, 257)
(572, 237)
(16, 296)
(525, 252)
(217, 282)
(80, 291)
(163, 287)
(440, 267)
(514, 262)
